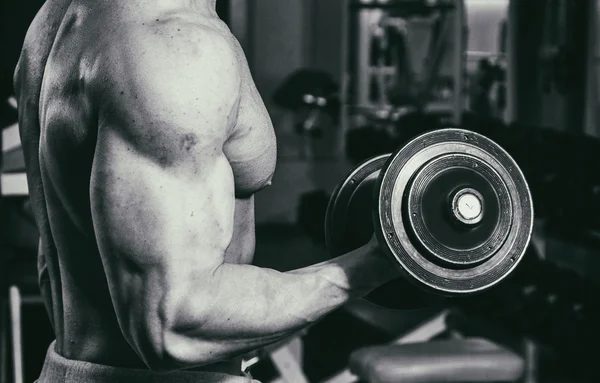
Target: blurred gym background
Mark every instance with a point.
(345, 80)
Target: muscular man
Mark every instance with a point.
(145, 139)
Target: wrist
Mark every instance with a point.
(390, 269)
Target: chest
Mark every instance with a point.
(251, 149)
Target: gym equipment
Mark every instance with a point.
(404, 55)
(451, 207)
(475, 355)
(310, 93)
(464, 360)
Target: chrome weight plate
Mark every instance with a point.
(454, 209)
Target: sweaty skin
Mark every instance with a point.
(145, 139)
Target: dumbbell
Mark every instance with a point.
(451, 208)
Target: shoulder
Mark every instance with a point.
(165, 80)
(170, 66)
(174, 55)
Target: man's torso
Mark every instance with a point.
(59, 170)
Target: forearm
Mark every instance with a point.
(251, 307)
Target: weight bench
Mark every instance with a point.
(454, 360)
(416, 358)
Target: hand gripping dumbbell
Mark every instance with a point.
(450, 207)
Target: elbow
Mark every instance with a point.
(184, 351)
(170, 349)
(167, 329)
(176, 352)
(181, 352)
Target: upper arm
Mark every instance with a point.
(162, 190)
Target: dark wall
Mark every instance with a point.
(551, 92)
(223, 10)
(15, 18)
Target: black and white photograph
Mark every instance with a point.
(300, 191)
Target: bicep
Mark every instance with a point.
(162, 190)
(158, 229)
(161, 183)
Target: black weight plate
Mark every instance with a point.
(352, 199)
(402, 183)
(436, 225)
(349, 225)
